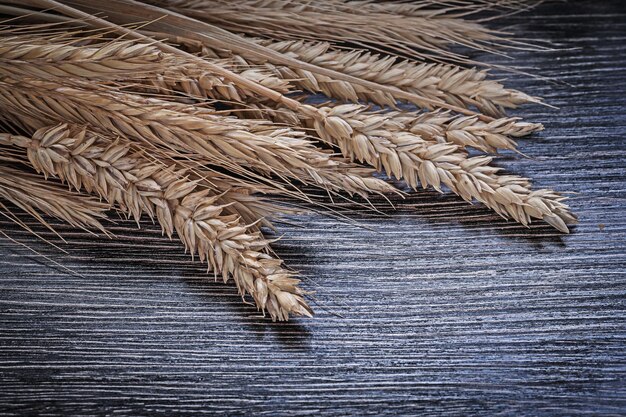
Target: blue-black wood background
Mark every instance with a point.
(438, 308)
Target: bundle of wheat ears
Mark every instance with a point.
(195, 113)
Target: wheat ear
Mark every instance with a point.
(223, 141)
(467, 131)
(445, 127)
(435, 126)
(408, 156)
(74, 155)
(44, 58)
(452, 84)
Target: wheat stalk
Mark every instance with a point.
(86, 161)
(377, 141)
(227, 142)
(452, 84)
(464, 131)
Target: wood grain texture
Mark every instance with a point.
(439, 308)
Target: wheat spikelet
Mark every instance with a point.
(110, 169)
(380, 142)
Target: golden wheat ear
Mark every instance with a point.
(385, 144)
(108, 168)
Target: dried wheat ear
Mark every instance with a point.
(199, 117)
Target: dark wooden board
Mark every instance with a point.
(439, 308)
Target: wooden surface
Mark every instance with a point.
(439, 308)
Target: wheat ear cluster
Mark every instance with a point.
(217, 119)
